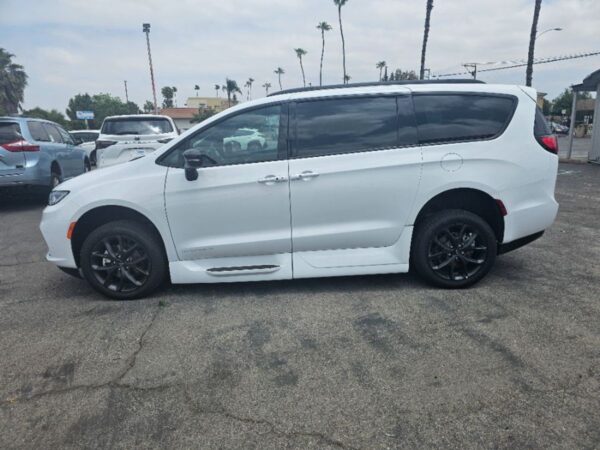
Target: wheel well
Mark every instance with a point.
(102, 215)
(472, 200)
(55, 168)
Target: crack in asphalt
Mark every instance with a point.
(112, 383)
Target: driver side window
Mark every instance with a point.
(248, 137)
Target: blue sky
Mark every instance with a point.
(71, 46)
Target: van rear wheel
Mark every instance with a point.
(453, 249)
(123, 260)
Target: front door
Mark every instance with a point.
(354, 169)
(233, 222)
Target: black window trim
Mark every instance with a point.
(294, 124)
(55, 126)
(282, 144)
(514, 99)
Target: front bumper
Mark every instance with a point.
(54, 230)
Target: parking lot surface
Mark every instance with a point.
(358, 362)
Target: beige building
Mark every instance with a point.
(219, 104)
(181, 116)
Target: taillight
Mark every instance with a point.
(21, 146)
(549, 142)
(104, 144)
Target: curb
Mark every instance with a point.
(572, 161)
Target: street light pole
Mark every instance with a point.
(146, 29)
(545, 31)
(126, 94)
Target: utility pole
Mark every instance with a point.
(146, 29)
(126, 94)
(472, 69)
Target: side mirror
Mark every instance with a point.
(193, 161)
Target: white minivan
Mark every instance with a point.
(123, 138)
(356, 179)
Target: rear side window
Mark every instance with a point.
(540, 127)
(461, 117)
(346, 125)
(9, 132)
(133, 125)
(53, 133)
(38, 133)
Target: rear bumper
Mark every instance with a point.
(509, 247)
(30, 176)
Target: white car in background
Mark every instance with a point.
(86, 139)
(244, 139)
(123, 138)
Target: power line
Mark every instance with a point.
(519, 63)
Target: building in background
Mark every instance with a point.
(181, 116)
(217, 103)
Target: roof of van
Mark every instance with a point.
(377, 83)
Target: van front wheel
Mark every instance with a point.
(453, 249)
(123, 260)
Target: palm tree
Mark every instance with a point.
(217, 88)
(300, 52)
(196, 88)
(279, 71)
(231, 87)
(347, 78)
(429, 7)
(13, 80)
(175, 95)
(267, 86)
(536, 16)
(323, 26)
(339, 4)
(249, 86)
(380, 65)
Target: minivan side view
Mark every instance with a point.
(37, 154)
(346, 180)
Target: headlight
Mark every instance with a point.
(56, 196)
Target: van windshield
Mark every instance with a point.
(134, 125)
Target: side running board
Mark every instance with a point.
(241, 270)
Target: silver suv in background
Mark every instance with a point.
(37, 153)
(123, 138)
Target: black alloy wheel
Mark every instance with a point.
(453, 248)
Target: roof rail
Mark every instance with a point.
(377, 83)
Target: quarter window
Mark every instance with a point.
(249, 137)
(461, 117)
(346, 125)
(53, 133)
(38, 133)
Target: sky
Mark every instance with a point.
(72, 46)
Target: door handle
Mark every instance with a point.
(305, 176)
(272, 179)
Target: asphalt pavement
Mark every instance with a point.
(358, 362)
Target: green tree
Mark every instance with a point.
(405, 75)
(428, 8)
(323, 27)
(565, 101)
(532, 36)
(267, 86)
(148, 107)
(203, 114)
(339, 4)
(232, 88)
(217, 89)
(103, 105)
(174, 95)
(53, 115)
(13, 81)
(196, 88)
(380, 65)
(248, 85)
(279, 71)
(300, 52)
(347, 78)
(167, 93)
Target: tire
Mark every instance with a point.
(55, 179)
(123, 260)
(93, 158)
(87, 167)
(453, 249)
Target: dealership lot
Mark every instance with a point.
(363, 362)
